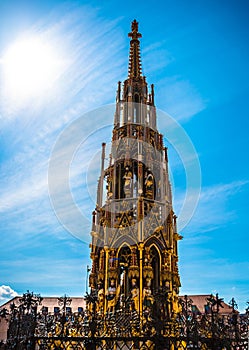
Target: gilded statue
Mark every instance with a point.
(101, 298)
(147, 294)
(135, 294)
(127, 182)
(112, 296)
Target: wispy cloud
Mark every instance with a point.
(176, 96)
(180, 98)
(212, 211)
(6, 293)
(31, 128)
(87, 80)
(202, 269)
(43, 275)
(155, 58)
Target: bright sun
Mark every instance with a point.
(30, 67)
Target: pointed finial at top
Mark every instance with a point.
(134, 70)
(134, 33)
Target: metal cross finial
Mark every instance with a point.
(134, 33)
(233, 304)
(64, 301)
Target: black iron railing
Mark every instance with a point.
(124, 328)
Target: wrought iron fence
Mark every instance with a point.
(129, 343)
(125, 329)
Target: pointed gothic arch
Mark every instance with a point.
(124, 258)
(155, 248)
(124, 240)
(152, 240)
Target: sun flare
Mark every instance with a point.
(30, 67)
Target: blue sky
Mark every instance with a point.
(196, 53)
